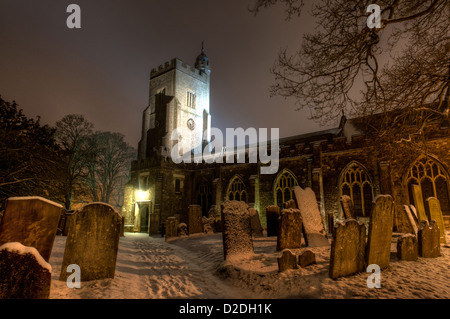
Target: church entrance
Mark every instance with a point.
(142, 217)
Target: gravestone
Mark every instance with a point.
(411, 226)
(195, 219)
(208, 223)
(171, 227)
(257, 230)
(214, 211)
(24, 274)
(428, 237)
(436, 215)
(272, 214)
(306, 258)
(237, 230)
(418, 202)
(289, 229)
(407, 248)
(31, 221)
(347, 249)
(315, 234)
(381, 224)
(182, 229)
(287, 261)
(212, 215)
(347, 206)
(93, 242)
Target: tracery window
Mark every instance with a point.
(433, 180)
(236, 189)
(356, 183)
(282, 190)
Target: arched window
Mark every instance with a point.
(355, 182)
(282, 188)
(433, 180)
(236, 189)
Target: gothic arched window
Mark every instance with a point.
(204, 198)
(236, 189)
(355, 182)
(433, 180)
(282, 189)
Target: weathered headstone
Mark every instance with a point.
(289, 229)
(208, 223)
(286, 261)
(31, 221)
(24, 274)
(428, 239)
(237, 230)
(411, 226)
(315, 234)
(182, 229)
(347, 206)
(436, 215)
(306, 258)
(272, 214)
(195, 219)
(347, 249)
(171, 227)
(212, 215)
(418, 202)
(93, 242)
(381, 224)
(407, 247)
(257, 230)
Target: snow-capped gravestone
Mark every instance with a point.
(182, 229)
(31, 221)
(272, 215)
(428, 237)
(171, 227)
(315, 234)
(418, 201)
(290, 204)
(347, 249)
(195, 219)
(306, 258)
(407, 248)
(381, 224)
(24, 274)
(208, 224)
(93, 242)
(237, 230)
(436, 215)
(255, 222)
(289, 229)
(286, 261)
(347, 206)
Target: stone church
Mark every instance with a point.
(332, 162)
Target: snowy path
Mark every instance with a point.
(149, 268)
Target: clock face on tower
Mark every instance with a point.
(191, 124)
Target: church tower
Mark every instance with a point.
(178, 98)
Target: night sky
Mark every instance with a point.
(102, 70)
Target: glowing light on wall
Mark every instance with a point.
(142, 195)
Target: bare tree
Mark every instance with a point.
(72, 132)
(401, 71)
(108, 165)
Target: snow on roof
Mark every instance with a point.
(23, 250)
(35, 198)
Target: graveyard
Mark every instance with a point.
(231, 258)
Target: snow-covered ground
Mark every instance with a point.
(193, 267)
